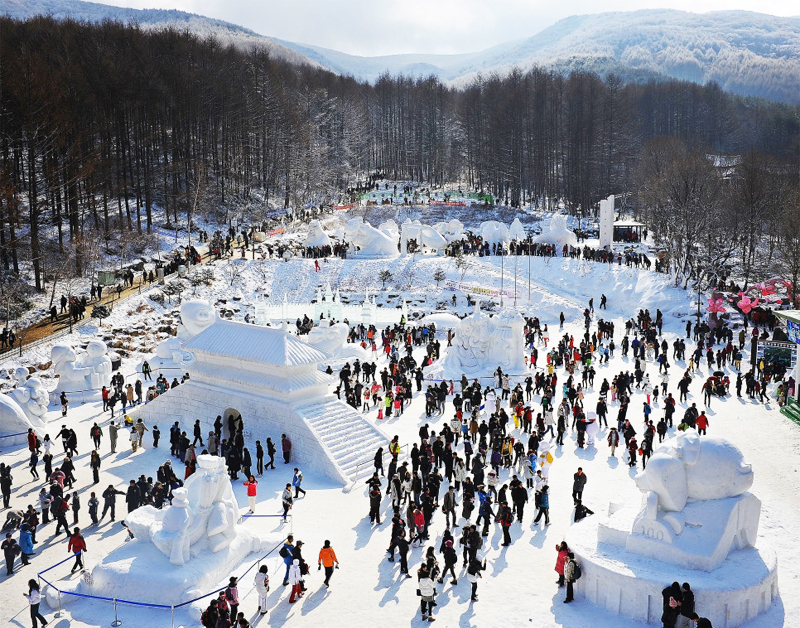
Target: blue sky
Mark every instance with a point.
(374, 27)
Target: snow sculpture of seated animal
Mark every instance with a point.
(697, 507)
(203, 517)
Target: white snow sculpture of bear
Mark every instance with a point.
(88, 371)
(558, 235)
(697, 507)
(71, 375)
(31, 395)
(425, 236)
(316, 236)
(494, 232)
(96, 358)
(204, 518)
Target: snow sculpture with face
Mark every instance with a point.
(31, 395)
(196, 315)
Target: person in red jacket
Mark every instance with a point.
(251, 493)
(76, 546)
(702, 423)
(563, 553)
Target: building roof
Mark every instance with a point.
(268, 345)
(628, 223)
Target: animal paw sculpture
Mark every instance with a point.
(697, 508)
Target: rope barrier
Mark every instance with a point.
(13, 435)
(171, 607)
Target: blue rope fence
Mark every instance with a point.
(170, 607)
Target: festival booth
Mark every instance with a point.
(791, 318)
(628, 231)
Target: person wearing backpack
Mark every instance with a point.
(287, 553)
(505, 517)
(571, 574)
(210, 615)
(232, 596)
(261, 583)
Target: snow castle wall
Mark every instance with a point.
(263, 417)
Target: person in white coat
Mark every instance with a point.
(296, 581)
(262, 588)
(427, 592)
(34, 599)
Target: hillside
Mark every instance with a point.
(750, 54)
(149, 19)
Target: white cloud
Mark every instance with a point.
(374, 27)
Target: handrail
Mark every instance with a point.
(370, 461)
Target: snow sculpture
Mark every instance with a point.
(697, 507)
(71, 375)
(31, 396)
(607, 222)
(196, 315)
(517, 231)
(202, 518)
(494, 232)
(316, 236)
(328, 337)
(425, 236)
(13, 420)
(332, 339)
(389, 227)
(96, 359)
(558, 235)
(482, 342)
(451, 231)
(508, 342)
(89, 371)
(369, 240)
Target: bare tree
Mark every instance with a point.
(384, 276)
(439, 276)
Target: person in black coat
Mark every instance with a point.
(687, 603)
(672, 597)
(133, 496)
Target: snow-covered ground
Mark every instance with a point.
(518, 587)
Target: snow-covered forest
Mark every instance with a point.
(103, 123)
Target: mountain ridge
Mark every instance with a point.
(746, 53)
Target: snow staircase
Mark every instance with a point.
(348, 437)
